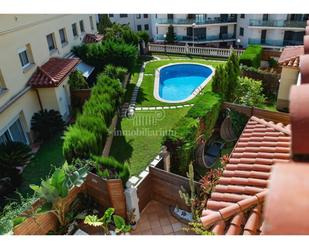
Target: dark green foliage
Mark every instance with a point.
(104, 23)
(252, 56)
(182, 140)
(47, 123)
(121, 33)
(233, 72)
(115, 72)
(170, 35)
(272, 62)
(110, 168)
(143, 35)
(12, 155)
(239, 121)
(113, 52)
(220, 81)
(79, 143)
(77, 80)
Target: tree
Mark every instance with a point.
(104, 23)
(220, 81)
(233, 72)
(143, 35)
(249, 92)
(170, 35)
(121, 33)
(77, 80)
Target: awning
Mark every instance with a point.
(85, 69)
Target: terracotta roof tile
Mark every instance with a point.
(53, 72)
(242, 188)
(92, 38)
(290, 56)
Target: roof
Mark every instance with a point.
(235, 205)
(92, 38)
(290, 56)
(53, 72)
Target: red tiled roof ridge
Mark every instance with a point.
(233, 209)
(46, 74)
(272, 125)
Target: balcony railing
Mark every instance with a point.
(197, 21)
(199, 39)
(277, 23)
(275, 43)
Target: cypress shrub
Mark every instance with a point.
(77, 81)
(79, 143)
(115, 72)
(252, 56)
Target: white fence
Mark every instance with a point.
(204, 51)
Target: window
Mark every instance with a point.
(123, 15)
(91, 22)
(139, 27)
(241, 31)
(111, 15)
(170, 16)
(81, 25)
(138, 16)
(2, 83)
(14, 133)
(74, 30)
(242, 16)
(51, 41)
(145, 16)
(146, 26)
(23, 57)
(63, 37)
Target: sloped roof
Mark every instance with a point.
(92, 38)
(53, 72)
(235, 205)
(290, 56)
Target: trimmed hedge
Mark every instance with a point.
(252, 56)
(87, 136)
(108, 52)
(182, 140)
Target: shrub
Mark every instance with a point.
(99, 106)
(233, 72)
(220, 81)
(181, 142)
(121, 33)
(104, 23)
(250, 92)
(47, 123)
(95, 125)
(115, 72)
(12, 155)
(143, 35)
(108, 52)
(77, 80)
(79, 143)
(110, 168)
(252, 56)
(170, 35)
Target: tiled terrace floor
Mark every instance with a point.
(156, 219)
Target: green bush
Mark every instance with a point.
(252, 56)
(79, 143)
(94, 124)
(143, 35)
(77, 80)
(108, 52)
(182, 140)
(115, 72)
(121, 33)
(110, 168)
(220, 81)
(47, 123)
(250, 92)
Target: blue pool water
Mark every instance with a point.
(178, 82)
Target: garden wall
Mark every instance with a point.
(79, 97)
(267, 54)
(277, 117)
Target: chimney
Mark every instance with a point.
(299, 115)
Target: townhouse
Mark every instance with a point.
(34, 67)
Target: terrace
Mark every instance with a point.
(197, 21)
(286, 24)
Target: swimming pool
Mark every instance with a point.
(180, 82)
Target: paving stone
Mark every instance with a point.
(132, 181)
(143, 174)
(151, 108)
(172, 107)
(159, 108)
(166, 107)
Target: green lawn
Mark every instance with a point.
(146, 97)
(43, 163)
(142, 137)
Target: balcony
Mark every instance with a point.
(275, 43)
(197, 21)
(200, 39)
(277, 23)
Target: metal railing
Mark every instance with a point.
(200, 38)
(275, 43)
(197, 21)
(277, 23)
(204, 51)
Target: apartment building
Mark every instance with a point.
(137, 22)
(33, 68)
(272, 31)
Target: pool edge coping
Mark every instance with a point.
(194, 93)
